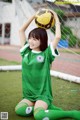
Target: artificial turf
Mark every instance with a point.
(66, 94)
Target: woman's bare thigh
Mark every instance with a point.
(30, 103)
(40, 103)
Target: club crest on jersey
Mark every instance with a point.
(40, 58)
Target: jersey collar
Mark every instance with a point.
(34, 51)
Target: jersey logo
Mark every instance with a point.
(28, 110)
(46, 118)
(40, 58)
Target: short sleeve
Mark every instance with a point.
(52, 53)
(24, 50)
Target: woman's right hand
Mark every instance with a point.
(55, 16)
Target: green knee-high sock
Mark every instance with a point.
(23, 109)
(41, 114)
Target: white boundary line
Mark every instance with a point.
(64, 76)
(10, 67)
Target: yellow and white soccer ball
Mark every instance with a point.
(44, 19)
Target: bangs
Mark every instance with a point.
(34, 34)
(40, 34)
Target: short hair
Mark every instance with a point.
(41, 34)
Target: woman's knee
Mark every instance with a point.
(39, 109)
(23, 109)
(42, 104)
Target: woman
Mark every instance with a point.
(37, 57)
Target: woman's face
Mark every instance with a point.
(34, 44)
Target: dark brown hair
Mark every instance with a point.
(41, 34)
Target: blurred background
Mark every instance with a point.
(13, 13)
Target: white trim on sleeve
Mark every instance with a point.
(53, 51)
(24, 48)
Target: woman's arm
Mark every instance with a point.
(57, 31)
(23, 29)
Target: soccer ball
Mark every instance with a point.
(44, 18)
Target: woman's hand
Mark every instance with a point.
(55, 17)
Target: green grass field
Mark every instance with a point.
(66, 94)
(6, 62)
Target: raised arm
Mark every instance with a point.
(23, 29)
(57, 31)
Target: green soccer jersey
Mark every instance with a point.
(36, 81)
